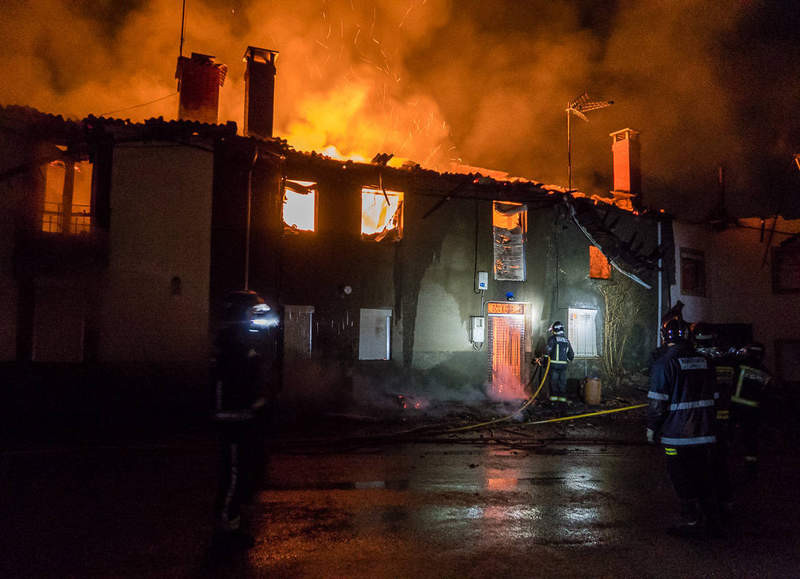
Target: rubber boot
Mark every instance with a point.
(690, 524)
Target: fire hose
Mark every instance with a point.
(531, 401)
(432, 431)
(513, 414)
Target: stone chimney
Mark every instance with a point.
(199, 79)
(259, 95)
(626, 154)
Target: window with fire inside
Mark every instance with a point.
(67, 205)
(381, 214)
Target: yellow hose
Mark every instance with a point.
(510, 416)
(530, 401)
(576, 416)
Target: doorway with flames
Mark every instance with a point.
(509, 341)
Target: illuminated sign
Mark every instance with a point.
(506, 308)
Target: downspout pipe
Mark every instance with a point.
(248, 225)
(660, 290)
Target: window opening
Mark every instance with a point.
(299, 205)
(297, 331)
(506, 341)
(599, 267)
(582, 332)
(693, 272)
(509, 226)
(786, 268)
(381, 215)
(375, 334)
(68, 197)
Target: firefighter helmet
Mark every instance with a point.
(702, 335)
(557, 328)
(753, 352)
(248, 308)
(674, 330)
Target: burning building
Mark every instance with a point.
(124, 238)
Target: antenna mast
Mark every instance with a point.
(183, 27)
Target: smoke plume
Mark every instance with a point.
(437, 81)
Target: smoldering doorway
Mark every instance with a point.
(507, 337)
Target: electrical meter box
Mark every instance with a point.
(482, 282)
(478, 325)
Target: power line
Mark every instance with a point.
(139, 105)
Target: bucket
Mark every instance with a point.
(591, 391)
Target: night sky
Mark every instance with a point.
(484, 83)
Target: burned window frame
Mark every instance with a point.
(295, 185)
(387, 235)
(509, 245)
(693, 258)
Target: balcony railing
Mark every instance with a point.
(80, 219)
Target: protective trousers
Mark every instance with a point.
(689, 469)
(719, 462)
(558, 382)
(747, 420)
(240, 469)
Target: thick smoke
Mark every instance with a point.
(481, 83)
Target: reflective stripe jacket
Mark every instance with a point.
(682, 395)
(724, 369)
(240, 379)
(559, 349)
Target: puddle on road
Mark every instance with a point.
(491, 483)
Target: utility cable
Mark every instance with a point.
(139, 105)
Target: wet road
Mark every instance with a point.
(450, 509)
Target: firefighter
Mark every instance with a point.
(241, 391)
(561, 354)
(681, 417)
(750, 383)
(723, 365)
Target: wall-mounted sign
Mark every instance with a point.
(506, 308)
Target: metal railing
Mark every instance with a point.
(80, 218)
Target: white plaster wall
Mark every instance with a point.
(745, 284)
(697, 237)
(11, 197)
(441, 325)
(160, 228)
(739, 283)
(8, 289)
(443, 330)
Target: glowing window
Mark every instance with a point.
(68, 197)
(381, 215)
(300, 206)
(599, 268)
(509, 225)
(582, 332)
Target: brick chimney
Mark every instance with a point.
(199, 79)
(626, 154)
(259, 95)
